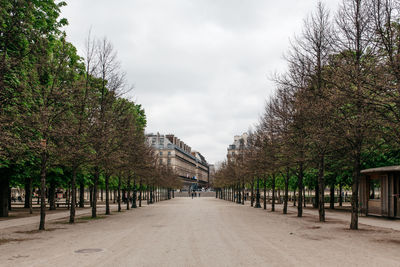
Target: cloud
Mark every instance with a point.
(200, 68)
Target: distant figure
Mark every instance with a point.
(192, 195)
(199, 194)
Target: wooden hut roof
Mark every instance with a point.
(382, 169)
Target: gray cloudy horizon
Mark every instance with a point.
(199, 68)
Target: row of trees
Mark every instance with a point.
(335, 111)
(64, 115)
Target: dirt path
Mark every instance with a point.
(203, 232)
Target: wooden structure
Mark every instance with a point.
(379, 191)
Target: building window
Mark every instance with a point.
(153, 141)
(160, 161)
(169, 153)
(160, 153)
(161, 143)
(169, 161)
(375, 189)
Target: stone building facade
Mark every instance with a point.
(190, 166)
(239, 143)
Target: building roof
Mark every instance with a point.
(382, 169)
(172, 142)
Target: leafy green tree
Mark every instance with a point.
(24, 27)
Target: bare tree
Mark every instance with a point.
(314, 47)
(352, 68)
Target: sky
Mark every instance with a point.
(200, 68)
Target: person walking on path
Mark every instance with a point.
(192, 194)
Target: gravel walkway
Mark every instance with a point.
(201, 232)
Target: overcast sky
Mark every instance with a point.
(200, 68)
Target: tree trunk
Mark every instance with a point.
(258, 205)
(43, 190)
(134, 197)
(73, 199)
(4, 184)
(252, 195)
(340, 195)
(321, 188)
(265, 193)
(128, 192)
(243, 193)
(354, 196)
(286, 197)
(27, 192)
(30, 196)
(237, 194)
(9, 198)
(300, 185)
(119, 193)
(273, 193)
(140, 192)
(94, 197)
(82, 195)
(107, 179)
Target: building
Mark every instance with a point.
(379, 191)
(190, 165)
(239, 143)
(202, 167)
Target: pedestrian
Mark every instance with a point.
(199, 194)
(192, 195)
